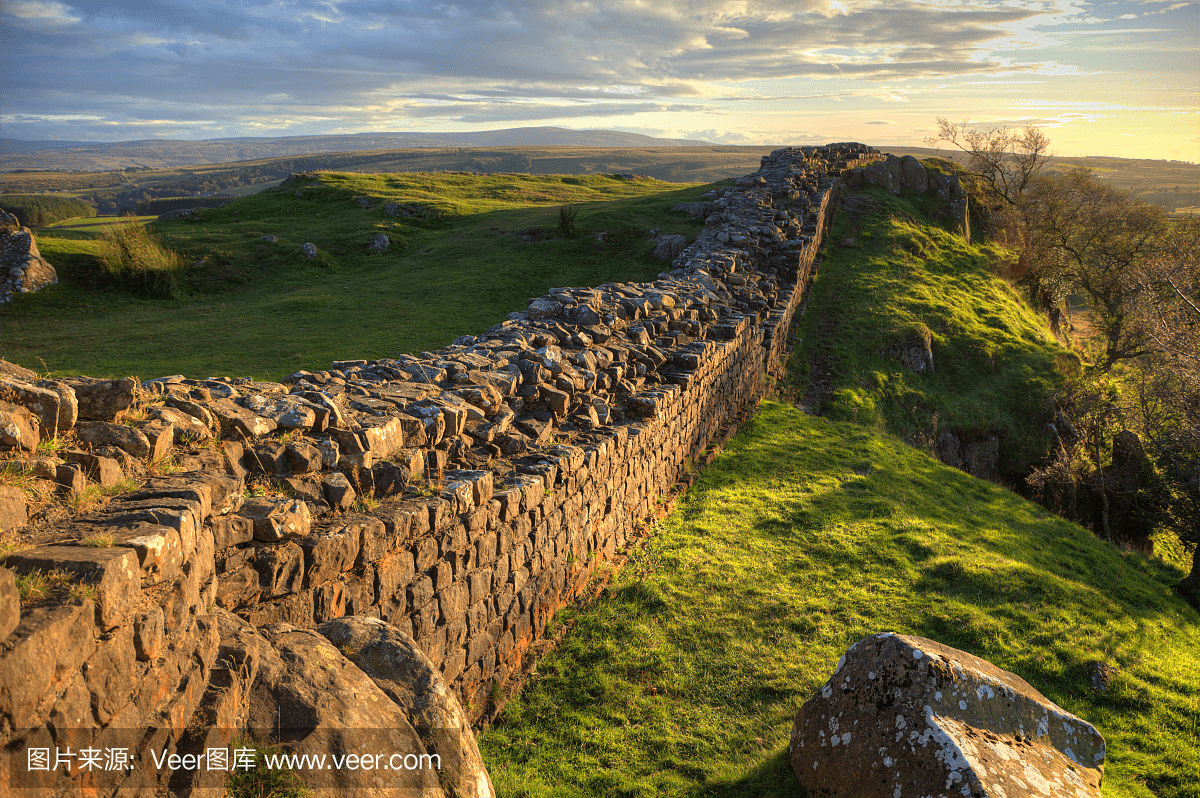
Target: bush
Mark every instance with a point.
(132, 258)
(39, 210)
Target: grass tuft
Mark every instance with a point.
(131, 257)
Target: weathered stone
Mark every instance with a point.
(280, 568)
(904, 715)
(42, 403)
(311, 699)
(235, 420)
(102, 433)
(277, 518)
(23, 270)
(666, 247)
(103, 400)
(10, 603)
(398, 666)
(187, 429)
(148, 636)
(48, 643)
(914, 349)
(19, 429)
(104, 471)
(13, 512)
(112, 572)
(70, 479)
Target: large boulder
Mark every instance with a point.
(394, 661)
(309, 699)
(907, 716)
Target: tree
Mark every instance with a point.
(1003, 160)
(1083, 236)
(1168, 393)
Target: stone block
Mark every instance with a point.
(112, 572)
(10, 603)
(328, 553)
(41, 403)
(280, 568)
(19, 429)
(103, 400)
(906, 715)
(47, 645)
(277, 518)
(13, 512)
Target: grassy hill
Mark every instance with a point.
(803, 537)
(457, 265)
(888, 272)
(808, 534)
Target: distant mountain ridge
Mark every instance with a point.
(165, 153)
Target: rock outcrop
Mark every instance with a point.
(908, 173)
(907, 716)
(23, 270)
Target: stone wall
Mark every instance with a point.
(23, 270)
(462, 496)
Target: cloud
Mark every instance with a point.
(881, 122)
(342, 59)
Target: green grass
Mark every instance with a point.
(95, 224)
(255, 308)
(803, 537)
(995, 363)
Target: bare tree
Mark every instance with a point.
(1084, 236)
(1003, 160)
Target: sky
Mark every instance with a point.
(1100, 78)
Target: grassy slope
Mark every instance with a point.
(257, 309)
(995, 362)
(808, 534)
(805, 536)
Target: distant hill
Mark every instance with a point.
(167, 153)
(16, 145)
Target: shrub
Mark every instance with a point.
(566, 219)
(131, 257)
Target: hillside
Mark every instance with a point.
(111, 192)
(166, 153)
(457, 263)
(889, 274)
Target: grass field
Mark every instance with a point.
(803, 537)
(256, 308)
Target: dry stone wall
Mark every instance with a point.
(23, 270)
(461, 496)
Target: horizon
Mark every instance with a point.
(1101, 79)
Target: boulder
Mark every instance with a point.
(401, 669)
(913, 348)
(309, 699)
(907, 716)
